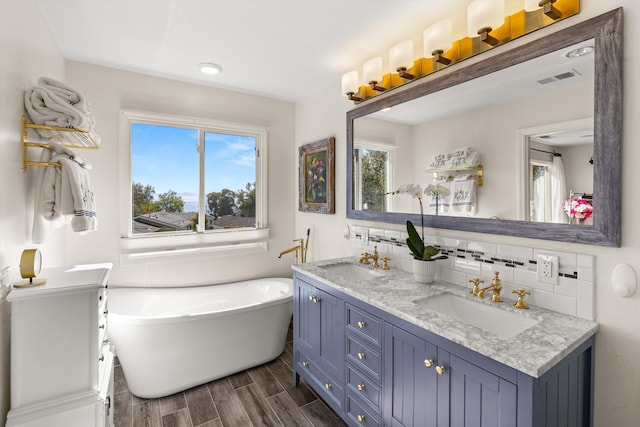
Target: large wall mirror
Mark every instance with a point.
(496, 136)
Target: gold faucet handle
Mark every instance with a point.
(520, 303)
(476, 284)
(385, 265)
(364, 259)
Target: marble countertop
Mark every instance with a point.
(533, 351)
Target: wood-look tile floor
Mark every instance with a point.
(260, 396)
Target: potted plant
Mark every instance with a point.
(424, 267)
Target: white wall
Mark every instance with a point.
(111, 90)
(27, 51)
(617, 382)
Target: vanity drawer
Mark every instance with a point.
(366, 358)
(364, 324)
(368, 391)
(323, 383)
(360, 414)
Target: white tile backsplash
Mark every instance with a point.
(574, 294)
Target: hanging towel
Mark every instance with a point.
(49, 205)
(463, 197)
(77, 194)
(67, 192)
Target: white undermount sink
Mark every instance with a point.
(353, 271)
(503, 323)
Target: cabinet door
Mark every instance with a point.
(320, 328)
(410, 380)
(307, 318)
(473, 397)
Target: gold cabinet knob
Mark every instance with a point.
(305, 364)
(361, 324)
(361, 418)
(327, 386)
(441, 370)
(360, 387)
(428, 363)
(313, 298)
(360, 356)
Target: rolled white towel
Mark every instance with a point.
(472, 159)
(67, 93)
(47, 108)
(461, 152)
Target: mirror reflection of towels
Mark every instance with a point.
(463, 197)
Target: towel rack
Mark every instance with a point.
(73, 138)
(477, 170)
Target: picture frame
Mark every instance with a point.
(316, 183)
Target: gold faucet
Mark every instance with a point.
(496, 287)
(366, 256)
(300, 249)
(520, 303)
(476, 284)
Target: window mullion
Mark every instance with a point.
(202, 202)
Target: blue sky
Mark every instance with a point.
(167, 159)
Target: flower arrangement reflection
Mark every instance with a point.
(415, 241)
(579, 208)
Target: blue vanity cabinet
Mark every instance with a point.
(428, 386)
(376, 369)
(319, 341)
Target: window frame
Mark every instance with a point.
(390, 149)
(200, 241)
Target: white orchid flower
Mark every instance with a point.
(436, 190)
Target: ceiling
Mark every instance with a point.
(284, 49)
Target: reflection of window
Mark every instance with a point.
(372, 176)
(540, 185)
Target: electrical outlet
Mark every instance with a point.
(548, 269)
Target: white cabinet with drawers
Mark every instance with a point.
(61, 358)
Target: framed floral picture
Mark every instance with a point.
(316, 177)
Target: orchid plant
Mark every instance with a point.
(415, 241)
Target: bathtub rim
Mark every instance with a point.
(119, 318)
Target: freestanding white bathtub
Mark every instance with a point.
(171, 339)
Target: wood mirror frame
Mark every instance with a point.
(606, 30)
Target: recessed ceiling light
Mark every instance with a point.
(581, 51)
(386, 109)
(209, 68)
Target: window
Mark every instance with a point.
(372, 176)
(191, 186)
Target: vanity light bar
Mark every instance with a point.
(517, 25)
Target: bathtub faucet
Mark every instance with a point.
(300, 249)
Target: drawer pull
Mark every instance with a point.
(313, 298)
(361, 324)
(428, 363)
(360, 418)
(101, 358)
(441, 370)
(361, 356)
(101, 327)
(305, 364)
(327, 386)
(360, 387)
